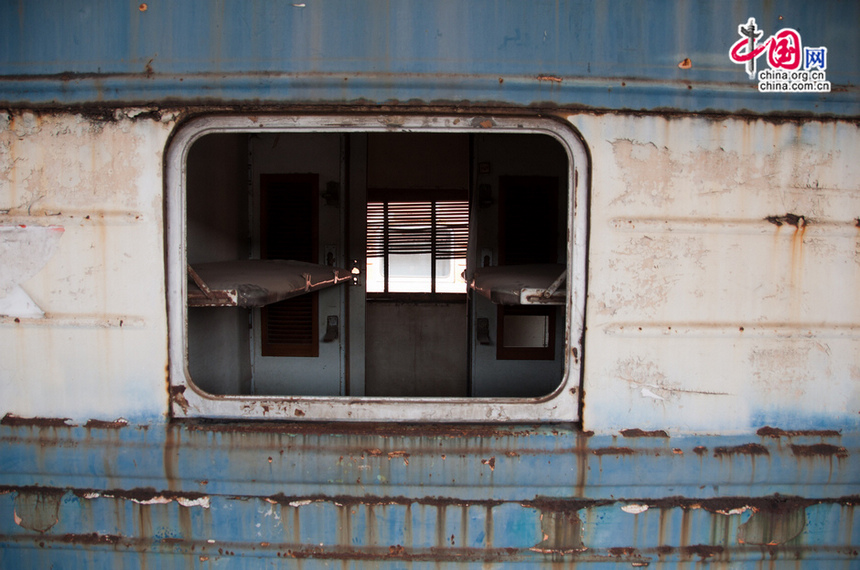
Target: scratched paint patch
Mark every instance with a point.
(646, 271)
(656, 175)
(58, 164)
(24, 251)
(773, 527)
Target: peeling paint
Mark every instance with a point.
(102, 424)
(768, 431)
(13, 420)
(37, 510)
(24, 251)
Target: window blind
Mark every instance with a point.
(440, 228)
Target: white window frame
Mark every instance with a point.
(188, 401)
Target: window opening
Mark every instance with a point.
(404, 217)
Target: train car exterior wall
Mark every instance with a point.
(718, 372)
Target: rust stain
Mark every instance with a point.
(703, 551)
(553, 78)
(612, 451)
(768, 431)
(402, 454)
(396, 551)
(752, 449)
(147, 496)
(177, 394)
(581, 463)
(170, 455)
(700, 450)
(457, 555)
(92, 538)
(381, 430)
(101, 424)
(640, 433)
(799, 222)
(348, 501)
(819, 450)
(17, 421)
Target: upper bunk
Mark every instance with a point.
(539, 284)
(254, 283)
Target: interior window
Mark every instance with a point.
(417, 245)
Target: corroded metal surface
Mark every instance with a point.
(720, 381)
(371, 494)
(570, 53)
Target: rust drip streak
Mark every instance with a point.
(789, 219)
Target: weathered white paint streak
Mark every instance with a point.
(702, 315)
(100, 351)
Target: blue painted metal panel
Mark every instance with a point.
(607, 55)
(243, 494)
